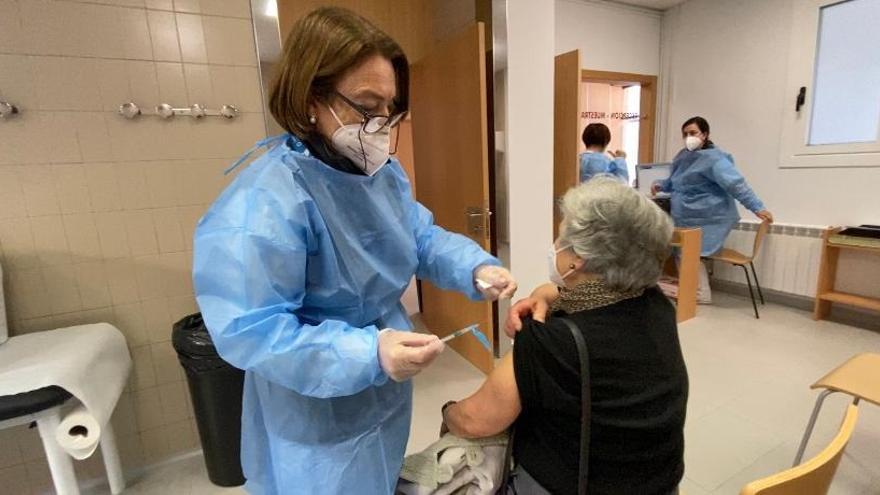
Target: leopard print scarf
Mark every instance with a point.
(591, 294)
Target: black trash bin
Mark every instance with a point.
(215, 388)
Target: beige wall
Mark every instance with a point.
(611, 36)
(529, 136)
(97, 212)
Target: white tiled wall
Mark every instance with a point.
(97, 212)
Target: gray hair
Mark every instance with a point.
(620, 234)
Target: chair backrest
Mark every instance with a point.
(814, 476)
(759, 237)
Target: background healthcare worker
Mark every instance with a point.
(595, 161)
(703, 183)
(301, 262)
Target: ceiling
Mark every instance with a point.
(652, 4)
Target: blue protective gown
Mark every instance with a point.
(296, 268)
(600, 163)
(703, 184)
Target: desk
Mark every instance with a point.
(689, 241)
(825, 293)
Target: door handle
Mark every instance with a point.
(477, 220)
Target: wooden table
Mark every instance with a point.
(689, 241)
(825, 293)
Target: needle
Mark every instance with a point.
(458, 333)
(474, 329)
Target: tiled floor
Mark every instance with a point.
(749, 402)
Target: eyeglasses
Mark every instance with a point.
(373, 123)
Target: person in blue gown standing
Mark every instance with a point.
(300, 264)
(595, 160)
(703, 184)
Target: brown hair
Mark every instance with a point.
(320, 48)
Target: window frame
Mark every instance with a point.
(794, 150)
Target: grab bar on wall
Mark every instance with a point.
(197, 111)
(7, 110)
(131, 110)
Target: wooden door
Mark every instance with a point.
(402, 137)
(451, 157)
(407, 21)
(647, 111)
(566, 122)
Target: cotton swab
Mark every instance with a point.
(483, 284)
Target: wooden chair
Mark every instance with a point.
(736, 258)
(856, 377)
(814, 476)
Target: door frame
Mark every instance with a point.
(647, 104)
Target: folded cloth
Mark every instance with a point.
(452, 464)
(89, 361)
(487, 475)
(462, 482)
(409, 488)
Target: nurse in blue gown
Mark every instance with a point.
(300, 264)
(704, 183)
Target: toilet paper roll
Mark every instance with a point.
(79, 433)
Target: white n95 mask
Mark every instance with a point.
(693, 143)
(370, 151)
(555, 276)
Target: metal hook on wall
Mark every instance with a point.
(7, 110)
(129, 110)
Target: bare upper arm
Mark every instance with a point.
(492, 408)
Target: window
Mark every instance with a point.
(835, 64)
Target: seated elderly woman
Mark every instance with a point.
(604, 269)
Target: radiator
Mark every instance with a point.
(788, 260)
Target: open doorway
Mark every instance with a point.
(625, 103)
(617, 106)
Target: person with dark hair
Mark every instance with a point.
(703, 184)
(300, 264)
(595, 161)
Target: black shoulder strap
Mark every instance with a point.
(583, 357)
